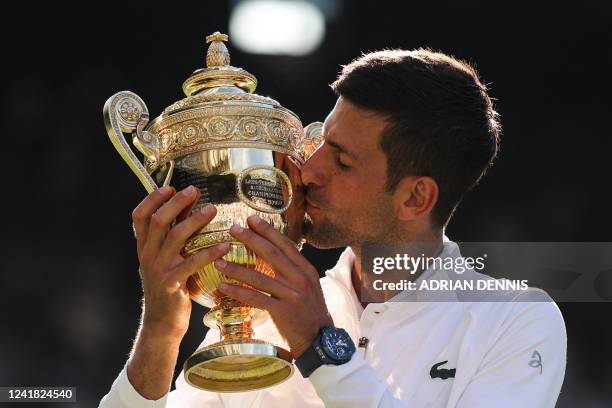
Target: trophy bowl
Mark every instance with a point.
(243, 152)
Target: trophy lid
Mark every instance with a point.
(221, 111)
(218, 72)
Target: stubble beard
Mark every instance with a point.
(327, 234)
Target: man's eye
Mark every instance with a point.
(340, 164)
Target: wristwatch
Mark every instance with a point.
(331, 346)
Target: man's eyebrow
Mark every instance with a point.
(341, 148)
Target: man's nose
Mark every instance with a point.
(313, 169)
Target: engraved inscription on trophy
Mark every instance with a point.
(264, 188)
(263, 191)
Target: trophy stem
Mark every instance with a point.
(234, 322)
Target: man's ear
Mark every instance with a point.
(415, 197)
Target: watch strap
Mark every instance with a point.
(311, 359)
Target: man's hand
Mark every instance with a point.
(296, 303)
(162, 224)
(163, 270)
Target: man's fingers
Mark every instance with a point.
(281, 241)
(142, 213)
(265, 249)
(178, 235)
(284, 244)
(258, 280)
(187, 211)
(196, 262)
(163, 218)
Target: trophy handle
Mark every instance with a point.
(314, 138)
(126, 112)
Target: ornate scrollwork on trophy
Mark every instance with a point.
(313, 140)
(197, 242)
(190, 131)
(126, 112)
(205, 98)
(129, 111)
(127, 108)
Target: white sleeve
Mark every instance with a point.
(122, 394)
(186, 395)
(510, 374)
(352, 385)
(526, 366)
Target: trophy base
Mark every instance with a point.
(238, 365)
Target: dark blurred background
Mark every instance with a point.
(71, 291)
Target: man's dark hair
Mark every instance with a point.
(442, 122)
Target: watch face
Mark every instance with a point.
(337, 344)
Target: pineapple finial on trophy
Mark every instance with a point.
(217, 55)
(219, 75)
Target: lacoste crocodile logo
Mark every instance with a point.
(443, 373)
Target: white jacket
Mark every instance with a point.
(507, 353)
